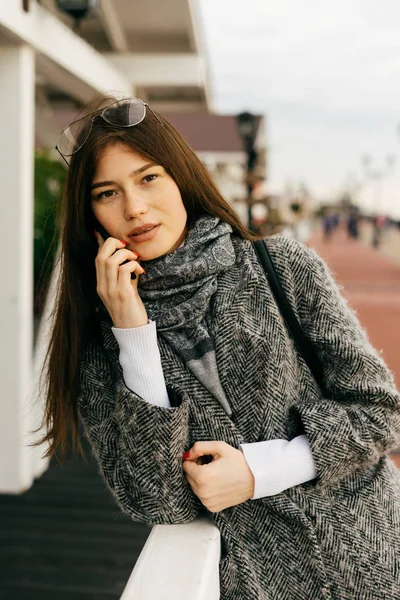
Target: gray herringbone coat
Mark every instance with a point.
(337, 537)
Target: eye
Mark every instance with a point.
(106, 194)
(150, 178)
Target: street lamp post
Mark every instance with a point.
(247, 124)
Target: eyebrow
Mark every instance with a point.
(133, 174)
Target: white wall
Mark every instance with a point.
(17, 70)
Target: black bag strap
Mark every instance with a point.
(303, 343)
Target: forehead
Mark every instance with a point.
(118, 157)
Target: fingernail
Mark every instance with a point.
(95, 234)
(137, 255)
(144, 271)
(122, 242)
(186, 456)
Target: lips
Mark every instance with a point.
(143, 234)
(142, 229)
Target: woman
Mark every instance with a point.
(192, 358)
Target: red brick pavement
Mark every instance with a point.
(371, 283)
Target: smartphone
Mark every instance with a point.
(101, 230)
(106, 235)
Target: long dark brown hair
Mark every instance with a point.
(75, 319)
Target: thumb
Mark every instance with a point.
(98, 237)
(213, 448)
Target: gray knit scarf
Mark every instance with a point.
(177, 290)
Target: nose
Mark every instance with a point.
(134, 205)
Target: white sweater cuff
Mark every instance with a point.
(140, 360)
(278, 465)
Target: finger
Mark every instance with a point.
(115, 267)
(99, 269)
(201, 448)
(109, 246)
(193, 485)
(98, 237)
(190, 469)
(121, 255)
(106, 249)
(191, 482)
(106, 278)
(194, 470)
(125, 281)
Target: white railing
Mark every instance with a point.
(178, 562)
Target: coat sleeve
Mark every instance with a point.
(138, 445)
(358, 419)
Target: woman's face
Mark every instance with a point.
(131, 193)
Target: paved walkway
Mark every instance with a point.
(371, 283)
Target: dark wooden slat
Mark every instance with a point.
(89, 527)
(66, 538)
(65, 555)
(57, 537)
(109, 580)
(77, 514)
(16, 592)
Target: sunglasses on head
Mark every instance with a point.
(122, 113)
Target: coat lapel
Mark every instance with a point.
(253, 350)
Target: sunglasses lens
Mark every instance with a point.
(74, 136)
(125, 113)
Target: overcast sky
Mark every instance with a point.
(327, 77)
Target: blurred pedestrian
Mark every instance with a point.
(379, 224)
(328, 224)
(336, 221)
(353, 225)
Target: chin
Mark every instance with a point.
(157, 247)
(152, 252)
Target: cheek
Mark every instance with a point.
(105, 211)
(179, 208)
(99, 214)
(179, 216)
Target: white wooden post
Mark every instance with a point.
(178, 562)
(17, 71)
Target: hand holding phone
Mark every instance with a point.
(114, 284)
(105, 235)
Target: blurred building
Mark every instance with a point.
(147, 49)
(216, 140)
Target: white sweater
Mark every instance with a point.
(276, 464)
